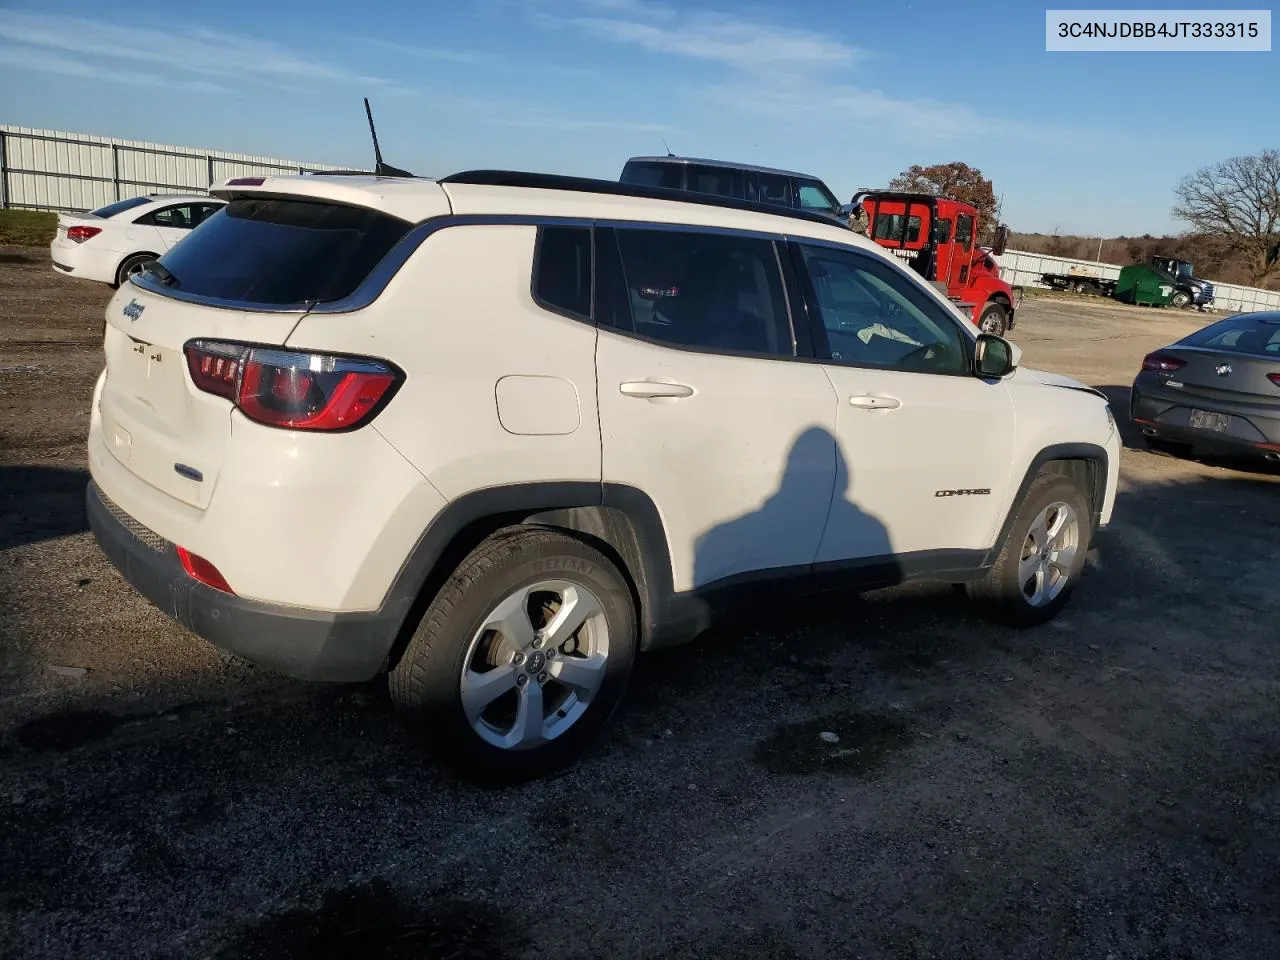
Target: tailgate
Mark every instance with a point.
(154, 421)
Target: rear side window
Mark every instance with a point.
(670, 175)
(281, 252)
(120, 206)
(562, 270)
(1239, 335)
(889, 227)
(719, 181)
(711, 292)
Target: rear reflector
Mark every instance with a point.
(198, 568)
(1162, 363)
(81, 233)
(294, 390)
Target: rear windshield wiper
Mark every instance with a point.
(163, 274)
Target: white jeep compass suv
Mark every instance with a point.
(498, 433)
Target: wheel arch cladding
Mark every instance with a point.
(1086, 464)
(620, 521)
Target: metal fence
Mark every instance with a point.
(53, 170)
(1025, 269)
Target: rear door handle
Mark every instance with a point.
(651, 389)
(868, 402)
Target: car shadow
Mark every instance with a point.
(41, 503)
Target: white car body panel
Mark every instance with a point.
(499, 391)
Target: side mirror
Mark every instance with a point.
(994, 357)
(1002, 240)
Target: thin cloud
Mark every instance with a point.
(180, 49)
(476, 58)
(42, 61)
(573, 125)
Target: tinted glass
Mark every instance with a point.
(942, 230)
(282, 251)
(889, 227)
(120, 206)
(774, 189)
(715, 180)
(178, 218)
(1239, 335)
(706, 291)
(813, 196)
(203, 211)
(562, 278)
(964, 230)
(876, 317)
(669, 175)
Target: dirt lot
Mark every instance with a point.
(1104, 787)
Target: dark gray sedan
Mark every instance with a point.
(1217, 389)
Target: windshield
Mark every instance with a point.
(659, 174)
(1184, 269)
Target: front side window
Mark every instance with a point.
(964, 230)
(773, 188)
(702, 291)
(562, 270)
(875, 317)
(813, 196)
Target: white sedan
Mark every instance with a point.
(115, 242)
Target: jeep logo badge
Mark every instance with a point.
(133, 310)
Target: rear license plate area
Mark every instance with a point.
(1208, 420)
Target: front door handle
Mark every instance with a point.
(651, 389)
(868, 402)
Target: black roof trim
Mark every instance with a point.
(552, 181)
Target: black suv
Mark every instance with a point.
(741, 181)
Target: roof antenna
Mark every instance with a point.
(668, 149)
(381, 169)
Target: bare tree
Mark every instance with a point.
(1238, 201)
(958, 180)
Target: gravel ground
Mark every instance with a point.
(1105, 786)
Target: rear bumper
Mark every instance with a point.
(301, 643)
(1165, 412)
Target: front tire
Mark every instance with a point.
(1181, 299)
(521, 657)
(131, 266)
(1042, 557)
(994, 319)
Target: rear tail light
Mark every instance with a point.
(198, 568)
(1162, 363)
(293, 389)
(1274, 378)
(81, 234)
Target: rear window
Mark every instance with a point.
(283, 251)
(120, 206)
(669, 175)
(1239, 335)
(889, 227)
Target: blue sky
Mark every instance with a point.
(851, 91)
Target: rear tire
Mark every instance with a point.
(1042, 556)
(132, 265)
(478, 667)
(993, 319)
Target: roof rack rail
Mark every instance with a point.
(555, 181)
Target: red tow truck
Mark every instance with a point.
(937, 236)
